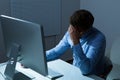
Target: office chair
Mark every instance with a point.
(115, 58)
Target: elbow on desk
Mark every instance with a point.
(86, 70)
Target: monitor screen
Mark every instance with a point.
(29, 36)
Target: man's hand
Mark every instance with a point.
(74, 34)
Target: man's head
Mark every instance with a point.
(82, 19)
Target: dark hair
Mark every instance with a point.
(82, 18)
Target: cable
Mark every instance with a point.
(2, 75)
(2, 64)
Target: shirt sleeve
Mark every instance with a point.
(88, 60)
(57, 51)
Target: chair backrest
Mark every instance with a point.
(115, 52)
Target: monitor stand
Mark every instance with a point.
(19, 76)
(10, 72)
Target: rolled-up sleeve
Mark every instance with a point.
(57, 51)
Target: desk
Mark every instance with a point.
(69, 71)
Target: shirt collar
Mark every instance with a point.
(87, 33)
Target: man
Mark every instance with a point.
(87, 44)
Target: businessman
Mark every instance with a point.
(87, 43)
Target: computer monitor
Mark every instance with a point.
(30, 37)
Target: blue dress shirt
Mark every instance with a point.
(88, 55)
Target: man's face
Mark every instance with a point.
(77, 30)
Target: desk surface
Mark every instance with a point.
(69, 71)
